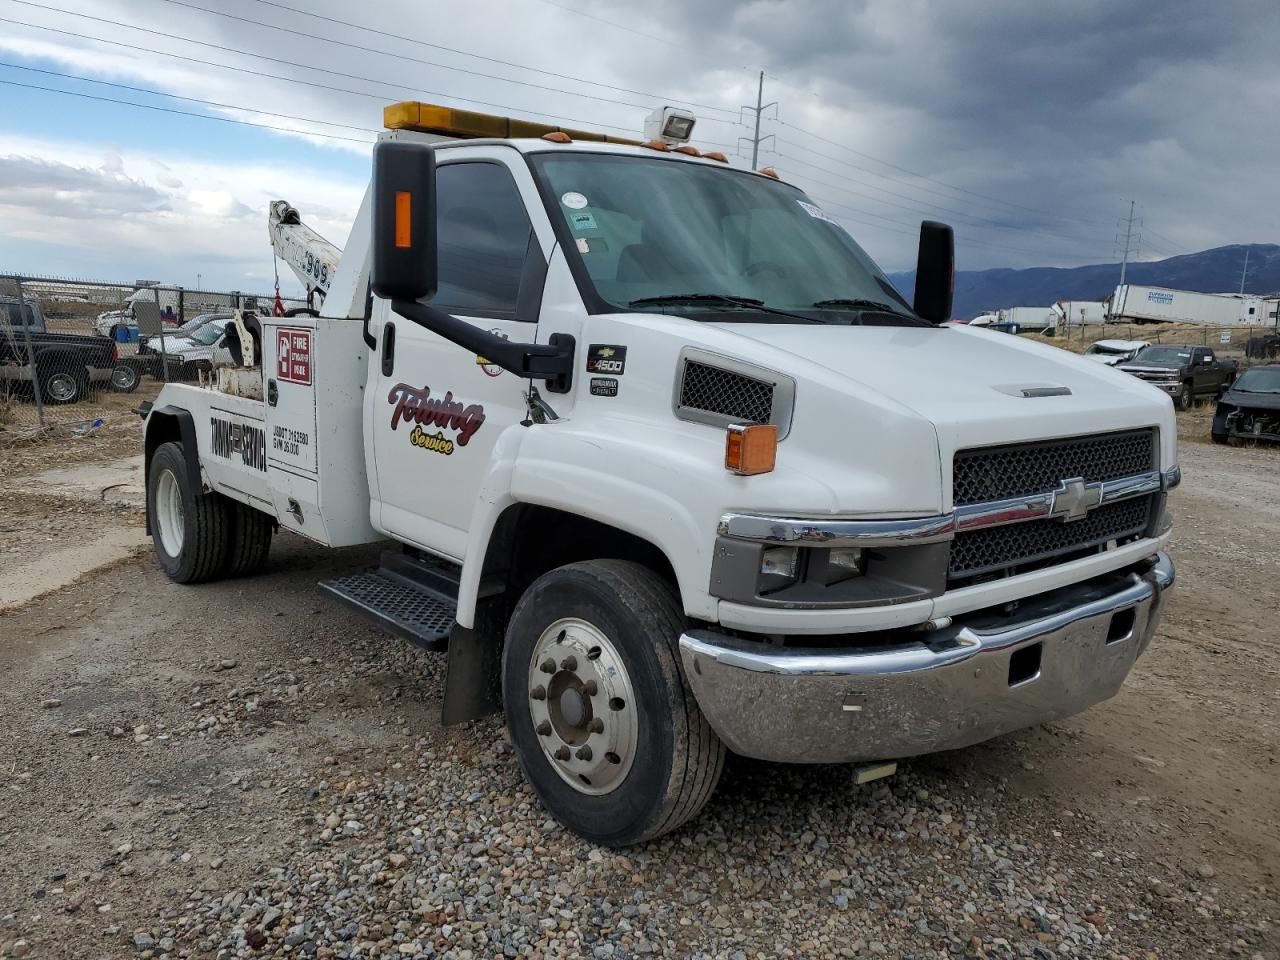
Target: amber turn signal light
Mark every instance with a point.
(752, 449)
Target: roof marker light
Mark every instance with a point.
(557, 136)
(716, 155)
(686, 149)
(769, 172)
(656, 145)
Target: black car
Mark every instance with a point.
(65, 364)
(1251, 408)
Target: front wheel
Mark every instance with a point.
(1186, 397)
(64, 386)
(189, 527)
(601, 718)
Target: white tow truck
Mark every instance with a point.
(671, 469)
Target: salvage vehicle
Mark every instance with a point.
(1250, 409)
(1184, 373)
(1113, 352)
(666, 493)
(66, 365)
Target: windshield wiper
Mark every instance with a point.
(748, 303)
(858, 303)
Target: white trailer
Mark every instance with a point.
(1138, 304)
(1081, 313)
(663, 493)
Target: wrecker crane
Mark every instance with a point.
(313, 259)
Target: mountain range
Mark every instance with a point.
(1209, 271)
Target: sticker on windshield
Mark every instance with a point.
(582, 221)
(573, 200)
(817, 212)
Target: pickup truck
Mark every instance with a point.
(636, 428)
(1184, 373)
(66, 364)
(1250, 409)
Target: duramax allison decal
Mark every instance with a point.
(413, 405)
(608, 358)
(239, 441)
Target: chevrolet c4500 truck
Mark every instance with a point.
(671, 469)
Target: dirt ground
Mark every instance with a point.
(168, 750)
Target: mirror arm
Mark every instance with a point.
(552, 361)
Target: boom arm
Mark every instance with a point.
(313, 259)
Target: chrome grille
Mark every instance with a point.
(1018, 470)
(991, 549)
(727, 393)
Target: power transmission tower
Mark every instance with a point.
(755, 139)
(1128, 237)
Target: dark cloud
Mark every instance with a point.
(79, 193)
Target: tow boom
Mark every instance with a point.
(313, 259)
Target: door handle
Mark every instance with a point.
(388, 349)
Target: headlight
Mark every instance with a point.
(843, 563)
(780, 563)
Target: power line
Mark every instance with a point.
(398, 89)
(184, 113)
(174, 96)
(428, 63)
(942, 183)
(923, 206)
(312, 15)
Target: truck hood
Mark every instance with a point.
(1256, 401)
(975, 386)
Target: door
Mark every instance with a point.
(437, 411)
(1205, 376)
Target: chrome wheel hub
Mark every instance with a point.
(169, 516)
(582, 705)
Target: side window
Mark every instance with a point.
(1207, 357)
(483, 233)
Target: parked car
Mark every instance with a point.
(1250, 409)
(1113, 352)
(66, 364)
(1182, 372)
(186, 356)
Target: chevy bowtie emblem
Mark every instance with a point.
(1074, 499)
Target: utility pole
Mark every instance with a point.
(755, 139)
(1128, 235)
(1245, 270)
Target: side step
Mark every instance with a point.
(415, 599)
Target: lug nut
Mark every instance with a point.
(569, 663)
(544, 728)
(562, 753)
(596, 725)
(538, 693)
(548, 666)
(590, 688)
(584, 752)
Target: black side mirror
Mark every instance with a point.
(404, 220)
(935, 272)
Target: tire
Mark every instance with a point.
(62, 386)
(1220, 438)
(189, 528)
(653, 760)
(125, 378)
(250, 540)
(1187, 398)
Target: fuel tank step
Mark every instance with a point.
(412, 598)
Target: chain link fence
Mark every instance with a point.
(1244, 344)
(74, 353)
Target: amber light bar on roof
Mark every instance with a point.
(451, 122)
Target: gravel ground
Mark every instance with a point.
(247, 769)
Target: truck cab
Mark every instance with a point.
(669, 468)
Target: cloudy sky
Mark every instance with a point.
(1029, 126)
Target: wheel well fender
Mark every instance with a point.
(165, 425)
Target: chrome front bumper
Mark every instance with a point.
(975, 679)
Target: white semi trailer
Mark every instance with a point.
(670, 469)
(1131, 303)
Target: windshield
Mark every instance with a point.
(651, 232)
(1259, 380)
(208, 335)
(1171, 356)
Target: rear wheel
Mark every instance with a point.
(250, 540)
(63, 386)
(602, 720)
(1220, 438)
(189, 528)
